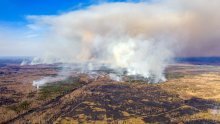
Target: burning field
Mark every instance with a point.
(110, 61)
(190, 95)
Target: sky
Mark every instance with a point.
(192, 27)
(13, 22)
(15, 11)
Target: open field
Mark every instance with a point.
(109, 62)
(190, 95)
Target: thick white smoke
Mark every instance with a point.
(141, 37)
(112, 34)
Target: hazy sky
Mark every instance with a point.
(34, 27)
(16, 37)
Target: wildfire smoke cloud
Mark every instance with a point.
(142, 37)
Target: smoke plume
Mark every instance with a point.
(141, 37)
(45, 80)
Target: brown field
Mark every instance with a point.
(190, 95)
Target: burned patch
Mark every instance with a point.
(5, 90)
(122, 101)
(6, 101)
(157, 119)
(202, 104)
(203, 121)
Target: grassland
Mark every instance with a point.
(190, 95)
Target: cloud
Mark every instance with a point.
(201, 27)
(193, 23)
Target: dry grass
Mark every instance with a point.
(190, 94)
